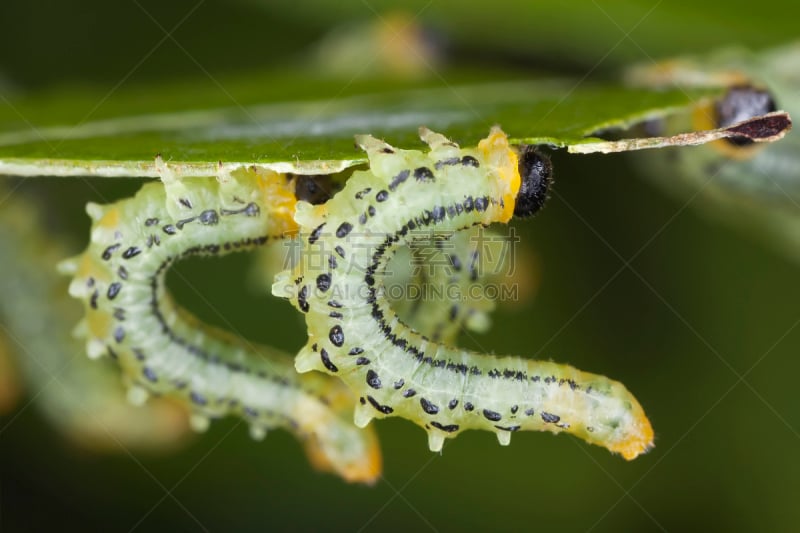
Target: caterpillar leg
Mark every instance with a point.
(395, 369)
(162, 349)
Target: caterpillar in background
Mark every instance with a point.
(396, 370)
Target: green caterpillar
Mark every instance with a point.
(394, 369)
(164, 350)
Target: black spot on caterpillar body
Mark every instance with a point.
(456, 197)
(163, 351)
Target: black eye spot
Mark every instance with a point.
(741, 103)
(536, 172)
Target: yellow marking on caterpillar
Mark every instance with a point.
(496, 150)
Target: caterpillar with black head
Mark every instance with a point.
(162, 349)
(441, 388)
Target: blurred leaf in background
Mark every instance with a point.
(584, 35)
(756, 188)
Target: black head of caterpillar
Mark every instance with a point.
(313, 189)
(536, 173)
(741, 103)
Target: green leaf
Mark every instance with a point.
(291, 132)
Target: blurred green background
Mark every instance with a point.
(634, 285)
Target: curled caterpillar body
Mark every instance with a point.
(163, 350)
(444, 389)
